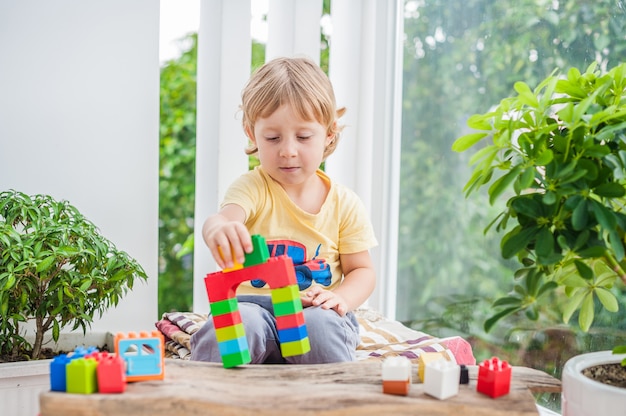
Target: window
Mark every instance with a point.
(461, 58)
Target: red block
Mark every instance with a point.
(290, 321)
(228, 319)
(494, 377)
(111, 374)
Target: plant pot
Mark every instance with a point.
(21, 382)
(20, 385)
(583, 396)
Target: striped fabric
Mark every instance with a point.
(380, 338)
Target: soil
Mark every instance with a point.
(45, 354)
(611, 374)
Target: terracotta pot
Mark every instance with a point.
(583, 396)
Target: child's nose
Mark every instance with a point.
(288, 148)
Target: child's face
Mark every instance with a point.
(290, 148)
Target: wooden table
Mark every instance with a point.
(192, 388)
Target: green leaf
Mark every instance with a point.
(585, 318)
(583, 270)
(572, 305)
(508, 301)
(580, 215)
(544, 245)
(610, 190)
(620, 349)
(608, 300)
(489, 323)
(544, 158)
(616, 244)
(605, 217)
(516, 241)
(465, 142)
(502, 183)
(45, 264)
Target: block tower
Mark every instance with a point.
(279, 274)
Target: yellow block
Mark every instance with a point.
(427, 357)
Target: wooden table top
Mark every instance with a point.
(194, 388)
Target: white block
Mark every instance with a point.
(397, 369)
(442, 379)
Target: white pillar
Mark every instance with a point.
(366, 71)
(294, 28)
(224, 54)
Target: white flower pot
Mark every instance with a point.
(20, 385)
(21, 382)
(582, 396)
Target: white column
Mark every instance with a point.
(294, 28)
(366, 71)
(224, 54)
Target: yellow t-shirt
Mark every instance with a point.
(341, 227)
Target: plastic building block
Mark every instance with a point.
(442, 379)
(279, 274)
(111, 373)
(494, 377)
(396, 374)
(427, 357)
(143, 353)
(81, 376)
(260, 253)
(464, 377)
(58, 380)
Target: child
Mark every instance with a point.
(290, 117)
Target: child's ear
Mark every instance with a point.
(250, 134)
(331, 134)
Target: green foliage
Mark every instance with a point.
(55, 268)
(177, 180)
(558, 153)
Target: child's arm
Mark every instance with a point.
(358, 284)
(224, 232)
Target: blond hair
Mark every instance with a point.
(297, 82)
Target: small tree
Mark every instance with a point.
(56, 269)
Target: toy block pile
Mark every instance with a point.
(87, 370)
(442, 376)
(279, 274)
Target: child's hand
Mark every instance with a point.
(228, 241)
(327, 299)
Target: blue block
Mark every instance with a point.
(233, 346)
(58, 378)
(142, 356)
(292, 334)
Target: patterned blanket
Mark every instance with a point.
(380, 338)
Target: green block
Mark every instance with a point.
(259, 254)
(288, 349)
(222, 307)
(233, 360)
(229, 332)
(287, 308)
(285, 294)
(81, 376)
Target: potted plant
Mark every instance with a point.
(557, 153)
(56, 271)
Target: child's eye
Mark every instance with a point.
(304, 137)
(271, 138)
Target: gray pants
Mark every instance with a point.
(333, 338)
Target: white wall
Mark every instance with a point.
(79, 117)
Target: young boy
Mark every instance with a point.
(290, 117)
